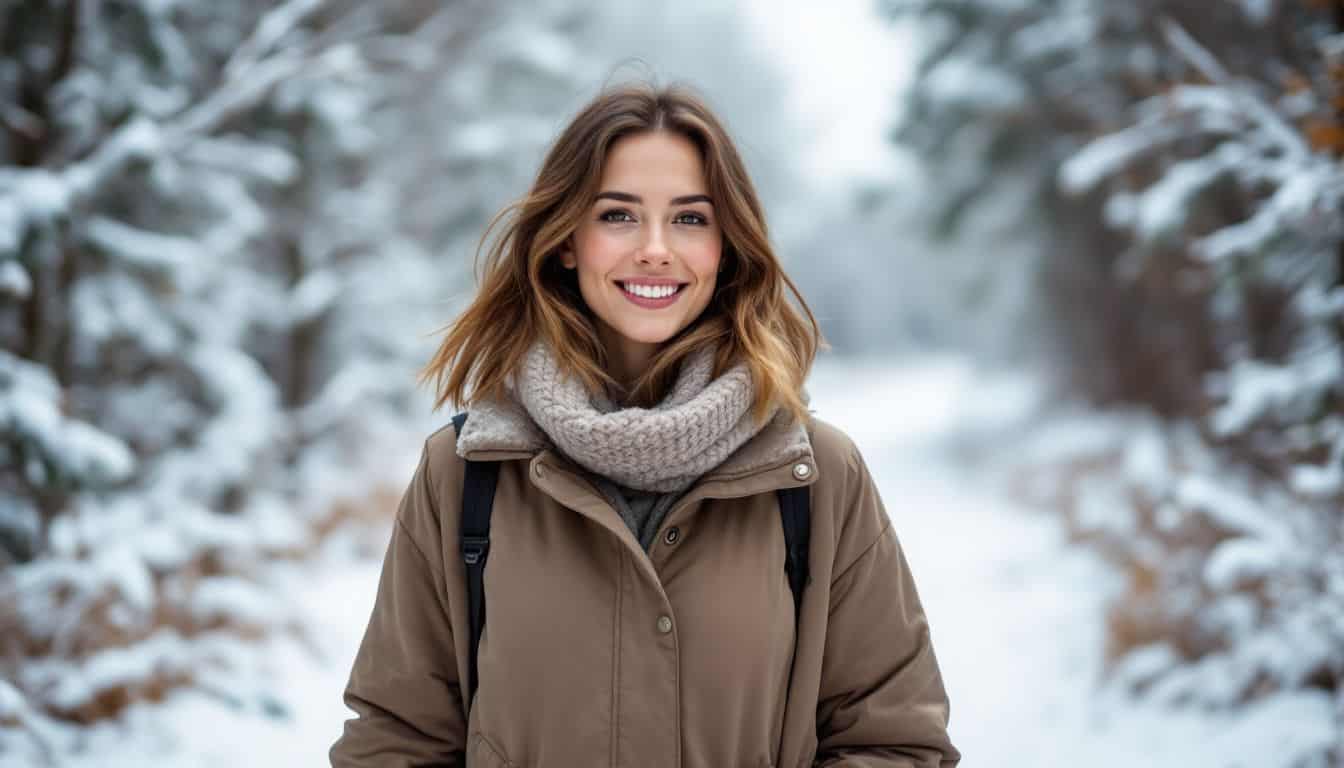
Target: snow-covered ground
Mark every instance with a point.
(1016, 617)
(1017, 614)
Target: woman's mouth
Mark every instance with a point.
(651, 296)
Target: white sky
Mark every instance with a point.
(846, 65)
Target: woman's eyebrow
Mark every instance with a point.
(626, 197)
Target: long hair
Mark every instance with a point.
(525, 292)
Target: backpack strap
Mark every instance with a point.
(478, 497)
(796, 515)
(795, 511)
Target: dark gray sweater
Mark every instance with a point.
(643, 511)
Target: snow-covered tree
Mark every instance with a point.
(1180, 163)
(216, 285)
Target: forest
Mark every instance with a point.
(230, 231)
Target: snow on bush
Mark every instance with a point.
(1191, 199)
(214, 297)
(1235, 594)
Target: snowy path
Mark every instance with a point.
(1016, 614)
(1016, 619)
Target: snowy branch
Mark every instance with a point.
(1202, 60)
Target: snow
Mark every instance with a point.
(1163, 207)
(1301, 719)
(30, 408)
(1255, 388)
(976, 88)
(1097, 511)
(1291, 202)
(152, 252)
(1148, 461)
(1226, 508)
(15, 283)
(276, 527)
(1319, 303)
(125, 569)
(232, 720)
(1235, 96)
(11, 234)
(540, 48)
(315, 294)
(162, 653)
(11, 701)
(1241, 560)
(1106, 155)
(242, 428)
(273, 28)
(1322, 481)
(234, 599)
(1054, 35)
(1143, 665)
(136, 139)
(114, 305)
(1016, 613)
(256, 159)
(43, 195)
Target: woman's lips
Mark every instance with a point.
(648, 303)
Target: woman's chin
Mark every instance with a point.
(644, 333)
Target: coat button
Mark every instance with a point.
(801, 471)
(664, 624)
(673, 535)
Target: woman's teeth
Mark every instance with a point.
(651, 291)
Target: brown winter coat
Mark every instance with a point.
(578, 666)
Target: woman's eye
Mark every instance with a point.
(615, 215)
(695, 218)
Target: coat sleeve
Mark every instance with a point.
(882, 703)
(403, 686)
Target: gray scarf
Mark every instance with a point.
(503, 428)
(664, 448)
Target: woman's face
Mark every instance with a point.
(647, 252)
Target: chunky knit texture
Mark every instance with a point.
(664, 448)
(504, 428)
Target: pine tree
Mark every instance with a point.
(1182, 167)
(216, 290)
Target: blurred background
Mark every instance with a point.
(1081, 264)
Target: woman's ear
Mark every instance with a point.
(567, 258)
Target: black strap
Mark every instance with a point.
(795, 513)
(478, 497)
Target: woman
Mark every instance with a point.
(633, 365)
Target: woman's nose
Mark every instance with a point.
(655, 249)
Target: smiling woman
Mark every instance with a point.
(634, 376)
(648, 256)
(640, 185)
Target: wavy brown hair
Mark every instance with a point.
(525, 293)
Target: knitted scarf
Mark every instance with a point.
(664, 448)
